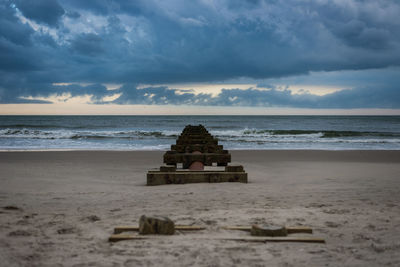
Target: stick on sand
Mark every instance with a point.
(290, 230)
(120, 229)
(119, 237)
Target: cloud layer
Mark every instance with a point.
(363, 97)
(159, 42)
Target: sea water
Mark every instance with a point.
(233, 132)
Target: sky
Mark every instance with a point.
(200, 57)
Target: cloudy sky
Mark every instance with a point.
(200, 56)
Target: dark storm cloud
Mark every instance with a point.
(96, 91)
(16, 45)
(11, 29)
(387, 96)
(383, 97)
(366, 97)
(158, 42)
(41, 11)
(106, 7)
(161, 95)
(87, 44)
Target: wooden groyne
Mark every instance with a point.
(196, 148)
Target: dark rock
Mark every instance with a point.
(156, 225)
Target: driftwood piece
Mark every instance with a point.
(290, 230)
(121, 237)
(120, 229)
(186, 177)
(277, 239)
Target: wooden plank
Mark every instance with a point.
(210, 169)
(202, 148)
(161, 178)
(120, 229)
(205, 136)
(290, 230)
(187, 158)
(278, 239)
(299, 229)
(120, 237)
(196, 141)
(240, 228)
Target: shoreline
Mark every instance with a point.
(163, 150)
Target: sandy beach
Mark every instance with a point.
(59, 208)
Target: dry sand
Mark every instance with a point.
(69, 202)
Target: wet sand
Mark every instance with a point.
(59, 208)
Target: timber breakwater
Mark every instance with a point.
(196, 158)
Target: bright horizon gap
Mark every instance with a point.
(113, 109)
(215, 88)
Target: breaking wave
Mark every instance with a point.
(70, 134)
(158, 133)
(311, 133)
(241, 135)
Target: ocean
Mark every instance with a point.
(234, 132)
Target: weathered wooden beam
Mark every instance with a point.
(185, 177)
(196, 135)
(206, 158)
(290, 230)
(195, 129)
(120, 229)
(276, 239)
(196, 141)
(121, 237)
(234, 168)
(205, 148)
(168, 168)
(299, 229)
